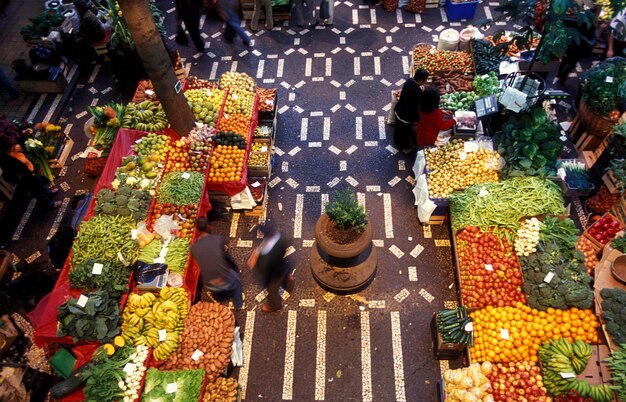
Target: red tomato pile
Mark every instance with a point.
(605, 229)
(184, 215)
(572, 396)
(441, 60)
(520, 381)
(490, 271)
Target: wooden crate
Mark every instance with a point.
(591, 157)
(438, 219)
(60, 161)
(259, 210)
(619, 209)
(611, 183)
(589, 142)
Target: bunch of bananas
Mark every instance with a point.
(561, 360)
(145, 315)
(607, 9)
(145, 116)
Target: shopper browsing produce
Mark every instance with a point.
(431, 119)
(268, 262)
(407, 112)
(218, 272)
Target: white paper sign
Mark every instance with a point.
(149, 92)
(171, 388)
(197, 354)
(483, 192)
(255, 184)
(470, 146)
(130, 368)
(567, 375)
(548, 277)
(82, 301)
(561, 173)
(97, 268)
(504, 333)
(122, 259)
(185, 175)
(462, 156)
(469, 327)
(159, 260)
(163, 252)
(162, 335)
(181, 218)
(263, 148)
(609, 79)
(133, 234)
(489, 267)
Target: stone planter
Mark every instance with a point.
(342, 268)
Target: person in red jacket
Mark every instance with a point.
(431, 119)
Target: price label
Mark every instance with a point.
(185, 175)
(567, 375)
(470, 146)
(264, 149)
(159, 260)
(130, 368)
(182, 218)
(548, 277)
(163, 252)
(97, 268)
(162, 335)
(255, 184)
(484, 76)
(171, 388)
(609, 79)
(504, 333)
(483, 192)
(82, 301)
(269, 102)
(209, 92)
(133, 234)
(197, 354)
(553, 101)
(123, 260)
(234, 96)
(462, 155)
(561, 173)
(149, 92)
(489, 267)
(469, 327)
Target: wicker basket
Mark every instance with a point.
(597, 125)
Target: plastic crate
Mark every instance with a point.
(461, 11)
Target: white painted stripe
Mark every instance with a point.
(381, 128)
(94, 102)
(376, 65)
(320, 359)
(304, 127)
(233, 225)
(259, 70)
(359, 127)
(308, 66)
(444, 16)
(388, 216)
(405, 64)
(53, 108)
(488, 12)
(418, 19)
(213, 70)
(233, 67)
(361, 199)
(279, 70)
(342, 95)
(343, 166)
(373, 16)
(202, 20)
(398, 366)
(355, 17)
(329, 67)
(59, 217)
(247, 346)
(357, 66)
(290, 351)
(20, 227)
(93, 75)
(38, 105)
(399, 19)
(326, 135)
(366, 357)
(324, 202)
(297, 227)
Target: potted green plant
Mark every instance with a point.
(343, 258)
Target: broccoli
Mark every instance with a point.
(133, 205)
(124, 211)
(124, 190)
(121, 200)
(585, 303)
(563, 290)
(545, 292)
(105, 195)
(528, 287)
(108, 209)
(532, 300)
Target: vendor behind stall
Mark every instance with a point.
(407, 110)
(431, 119)
(91, 30)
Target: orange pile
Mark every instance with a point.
(527, 328)
(226, 164)
(237, 123)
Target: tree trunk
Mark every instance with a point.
(157, 63)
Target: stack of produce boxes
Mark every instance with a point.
(527, 290)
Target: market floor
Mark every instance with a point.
(334, 88)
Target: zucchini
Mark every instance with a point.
(70, 385)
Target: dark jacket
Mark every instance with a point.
(209, 252)
(91, 29)
(272, 265)
(407, 105)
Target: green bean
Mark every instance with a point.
(178, 190)
(102, 237)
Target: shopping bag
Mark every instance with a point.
(324, 10)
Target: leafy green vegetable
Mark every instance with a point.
(188, 383)
(614, 313)
(486, 84)
(617, 365)
(346, 212)
(98, 320)
(619, 243)
(530, 144)
(114, 276)
(576, 176)
(104, 374)
(601, 96)
(569, 286)
(503, 204)
(563, 232)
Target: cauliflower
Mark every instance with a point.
(131, 181)
(145, 183)
(115, 184)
